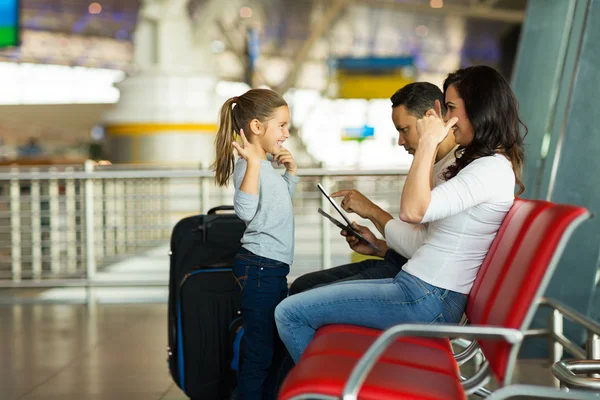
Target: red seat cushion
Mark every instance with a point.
(327, 374)
(432, 354)
(411, 368)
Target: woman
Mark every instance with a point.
(464, 214)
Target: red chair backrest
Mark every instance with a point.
(517, 269)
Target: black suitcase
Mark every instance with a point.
(204, 301)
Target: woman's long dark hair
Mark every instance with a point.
(493, 111)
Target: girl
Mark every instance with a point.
(263, 199)
(464, 214)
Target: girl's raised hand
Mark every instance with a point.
(247, 150)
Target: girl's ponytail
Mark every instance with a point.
(225, 161)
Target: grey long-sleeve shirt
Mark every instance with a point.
(269, 216)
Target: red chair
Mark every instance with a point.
(415, 361)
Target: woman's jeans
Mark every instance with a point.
(263, 285)
(380, 304)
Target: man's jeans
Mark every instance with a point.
(378, 303)
(367, 269)
(263, 284)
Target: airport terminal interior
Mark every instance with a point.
(109, 111)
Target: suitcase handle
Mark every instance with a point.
(214, 210)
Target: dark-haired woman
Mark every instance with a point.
(464, 215)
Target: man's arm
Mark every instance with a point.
(354, 201)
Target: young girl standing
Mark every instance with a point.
(263, 199)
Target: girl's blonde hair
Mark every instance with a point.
(236, 114)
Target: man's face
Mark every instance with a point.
(406, 125)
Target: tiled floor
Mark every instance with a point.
(73, 352)
(104, 352)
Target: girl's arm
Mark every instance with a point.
(246, 180)
(285, 157)
(245, 204)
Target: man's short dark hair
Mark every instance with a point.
(418, 97)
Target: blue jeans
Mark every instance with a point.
(380, 304)
(263, 285)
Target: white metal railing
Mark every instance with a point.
(61, 226)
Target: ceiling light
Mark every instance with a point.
(436, 3)
(421, 30)
(95, 8)
(245, 12)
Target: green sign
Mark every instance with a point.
(9, 23)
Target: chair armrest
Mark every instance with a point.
(541, 392)
(467, 353)
(368, 360)
(565, 372)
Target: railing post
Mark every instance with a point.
(204, 194)
(15, 225)
(110, 218)
(593, 349)
(120, 216)
(71, 217)
(129, 210)
(325, 228)
(36, 229)
(89, 223)
(556, 326)
(54, 209)
(164, 203)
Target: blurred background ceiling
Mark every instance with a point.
(101, 33)
(296, 40)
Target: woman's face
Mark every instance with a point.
(463, 131)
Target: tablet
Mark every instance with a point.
(348, 227)
(334, 204)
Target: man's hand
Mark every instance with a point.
(361, 247)
(354, 201)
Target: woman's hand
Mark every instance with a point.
(247, 150)
(285, 157)
(432, 126)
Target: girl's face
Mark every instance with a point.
(273, 133)
(463, 131)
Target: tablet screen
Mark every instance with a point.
(334, 204)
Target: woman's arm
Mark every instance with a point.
(416, 194)
(405, 238)
(484, 179)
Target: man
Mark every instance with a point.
(409, 104)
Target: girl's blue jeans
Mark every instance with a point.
(263, 285)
